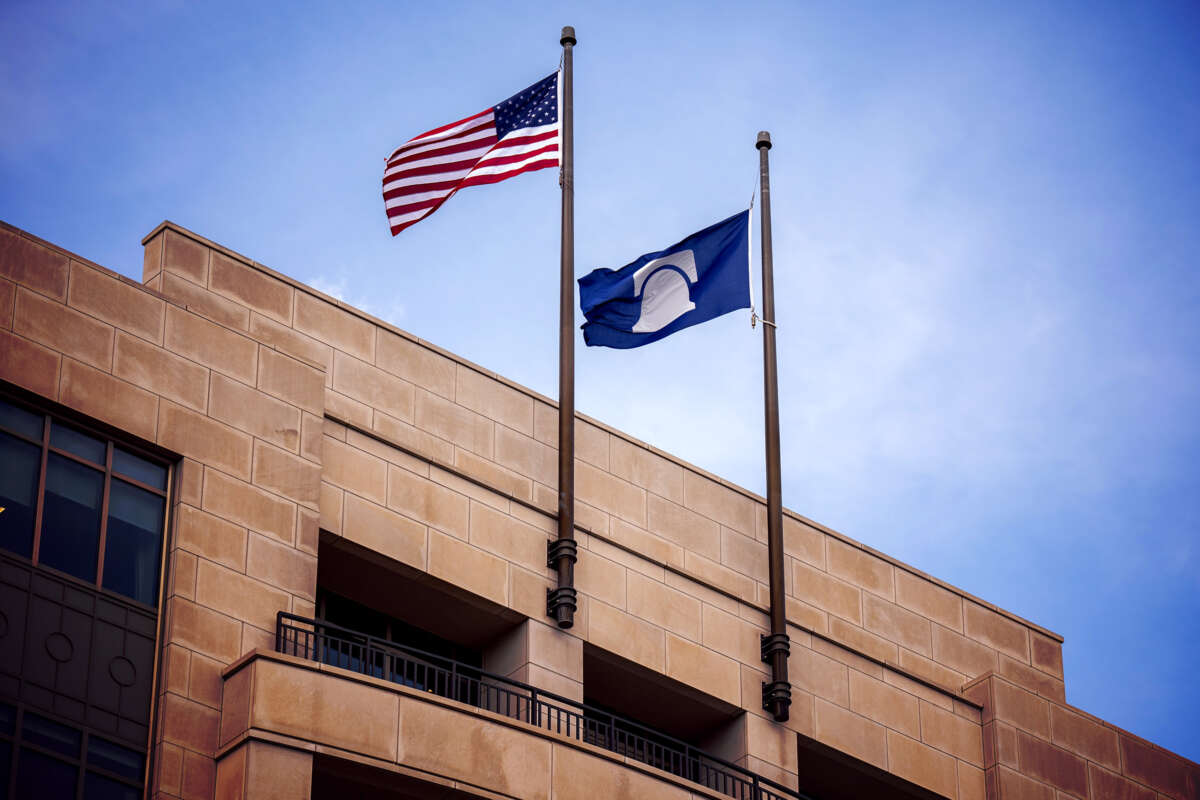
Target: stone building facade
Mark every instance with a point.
(338, 536)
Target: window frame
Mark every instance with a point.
(111, 442)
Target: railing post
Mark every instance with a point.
(453, 680)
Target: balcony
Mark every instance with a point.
(422, 673)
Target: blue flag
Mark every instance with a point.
(702, 277)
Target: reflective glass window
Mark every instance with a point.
(140, 469)
(8, 718)
(133, 541)
(71, 517)
(5, 762)
(51, 735)
(22, 463)
(41, 776)
(21, 421)
(98, 787)
(114, 758)
(81, 444)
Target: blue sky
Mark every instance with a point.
(986, 250)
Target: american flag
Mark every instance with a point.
(518, 135)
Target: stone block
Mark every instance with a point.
(848, 732)
(885, 704)
(704, 669)
(199, 300)
(819, 675)
(331, 507)
(493, 399)
(185, 256)
(665, 607)
(292, 381)
(516, 541)
(725, 633)
(415, 362)
(647, 469)
(717, 502)
(1031, 678)
(295, 344)
(1164, 771)
(428, 502)
(971, 784)
(1046, 654)
(248, 506)
(189, 724)
(204, 630)
(801, 541)
(116, 302)
(962, 654)
(997, 630)
(250, 287)
(863, 641)
(347, 410)
(408, 436)
(1025, 710)
(469, 567)
(110, 399)
(63, 329)
(162, 372)
(28, 263)
(1107, 785)
(213, 345)
(354, 470)
(238, 596)
(826, 592)
(280, 565)
(521, 453)
(893, 622)
(744, 554)
(287, 475)
(610, 494)
(383, 531)
(684, 527)
(200, 437)
(922, 765)
(211, 537)
(204, 681)
(951, 733)
(277, 773)
(861, 568)
(372, 386)
(29, 365)
(929, 600)
(1043, 761)
(328, 323)
(627, 636)
(503, 480)
(8, 296)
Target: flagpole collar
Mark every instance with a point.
(568, 36)
(764, 140)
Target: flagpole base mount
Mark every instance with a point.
(777, 698)
(560, 605)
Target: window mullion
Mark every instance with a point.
(41, 490)
(108, 455)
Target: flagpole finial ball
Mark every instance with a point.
(764, 140)
(568, 36)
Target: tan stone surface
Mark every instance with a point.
(643, 468)
(331, 507)
(665, 607)
(704, 669)
(328, 323)
(890, 620)
(861, 568)
(110, 399)
(1021, 708)
(248, 506)
(287, 475)
(620, 633)
(29, 365)
(962, 654)
(372, 386)
(526, 455)
(63, 329)
(355, 470)
(211, 537)
(850, 733)
(494, 400)
(151, 367)
(1046, 654)
(744, 554)
(321, 707)
(718, 502)
(885, 704)
(465, 747)
(238, 596)
(110, 299)
(384, 531)
(951, 733)
(199, 300)
(469, 567)
(971, 782)
(996, 631)
(428, 502)
(30, 264)
(581, 776)
(929, 600)
(212, 345)
(824, 591)
(819, 674)
(686, 528)
(280, 565)
(415, 363)
(292, 342)
(291, 380)
(8, 296)
(922, 765)
(250, 287)
(277, 773)
(189, 724)
(185, 256)
(863, 641)
(613, 495)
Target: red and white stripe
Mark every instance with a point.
(426, 170)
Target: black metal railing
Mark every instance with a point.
(341, 647)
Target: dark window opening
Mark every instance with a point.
(79, 503)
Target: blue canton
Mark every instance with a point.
(529, 108)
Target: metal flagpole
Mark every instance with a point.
(776, 694)
(561, 553)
